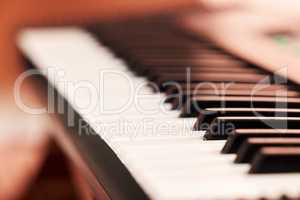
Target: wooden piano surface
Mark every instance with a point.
(24, 138)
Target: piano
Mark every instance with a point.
(190, 105)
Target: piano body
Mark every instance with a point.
(184, 105)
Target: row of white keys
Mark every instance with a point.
(168, 163)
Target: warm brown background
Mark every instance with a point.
(23, 137)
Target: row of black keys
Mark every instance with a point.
(256, 112)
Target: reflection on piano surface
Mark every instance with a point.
(191, 105)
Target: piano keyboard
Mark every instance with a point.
(209, 136)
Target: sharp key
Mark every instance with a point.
(222, 86)
(211, 77)
(235, 140)
(276, 160)
(197, 104)
(252, 145)
(209, 114)
(221, 127)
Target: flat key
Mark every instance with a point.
(226, 92)
(153, 73)
(210, 77)
(251, 146)
(191, 62)
(235, 140)
(180, 98)
(276, 160)
(209, 114)
(222, 127)
(197, 104)
(223, 86)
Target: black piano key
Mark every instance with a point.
(276, 160)
(226, 92)
(223, 86)
(169, 56)
(252, 145)
(235, 140)
(154, 73)
(177, 100)
(211, 77)
(192, 62)
(197, 104)
(209, 114)
(222, 127)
